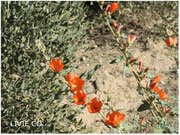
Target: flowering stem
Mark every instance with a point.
(135, 74)
(110, 28)
(102, 115)
(155, 116)
(64, 80)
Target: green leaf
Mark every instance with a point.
(123, 35)
(65, 17)
(150, 75)
(125, 69)
(175, 110)
(128, 126)
(84, 131)
(144, 106)
(118, 60)
(5, 60)
(158, 129)
(20, 57)
(53, 37)
(92, 71)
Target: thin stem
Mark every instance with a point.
(155, 116)
(64, 80)
(102, 115)
(110, 28)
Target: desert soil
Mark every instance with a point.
(110, 81)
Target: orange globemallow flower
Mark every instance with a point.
(175, 41)
(94, 106)
(80, 98)
(56, 65)
(156, 89)
(114, 118)
(76, 84)
(71, 76)
(114, 7)
(169, 41)
(152, 86)
(162, 95)
(157, 79)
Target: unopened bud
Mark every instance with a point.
(133, 60)
(131, 39)
(107, 8)
(146, 70)
(169, 110)
(140, 66)
(143, 120)
(169, 32)
(119, 28)
(170, 99)
(163, 109)
(114, 24)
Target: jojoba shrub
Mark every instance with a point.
(31, 92)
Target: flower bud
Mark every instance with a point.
(169, 32)
(170, 99)
(119, 28)
(146, 70)
(114, 24)
(133, 60)
(143, 120)
(169, 110)
(106, 10)
(131, 39)
(140, 66)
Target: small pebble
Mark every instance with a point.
(83, 58)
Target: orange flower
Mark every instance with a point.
(152, 86)
(76, 84)
(162, 95)
(175, 41)
(94, 106)
(156, 89)
(114, 7)
(56, 65)
(80, 98)
(71, 76)
(169, 41)
(156, 79)
(114, 118)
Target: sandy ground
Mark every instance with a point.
(111, 81)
